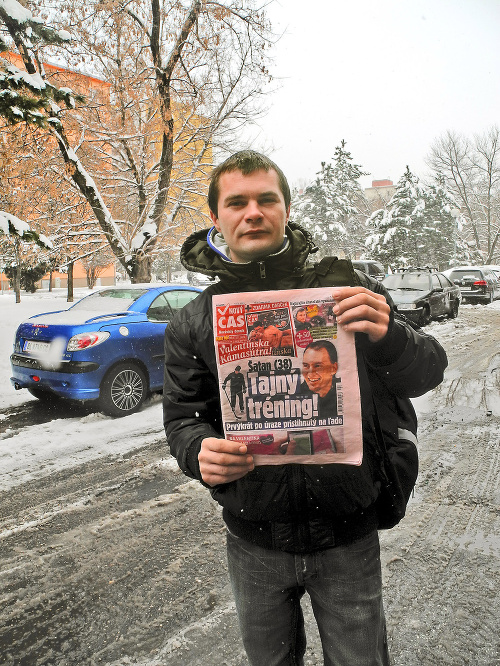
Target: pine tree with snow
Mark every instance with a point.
(444, 243)
(398, 229)
(332, 208)
(19, 234)
(25, 95)
(417, 228)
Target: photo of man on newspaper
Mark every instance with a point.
(319, 368)
(237, 387)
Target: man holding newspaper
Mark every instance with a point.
(293, 528)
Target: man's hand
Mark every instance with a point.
(222, 461)
(360, 310)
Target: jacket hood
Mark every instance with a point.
(200, 256)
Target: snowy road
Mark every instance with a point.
(110, 556)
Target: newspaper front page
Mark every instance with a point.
(288, 377)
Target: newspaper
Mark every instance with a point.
(288, 377)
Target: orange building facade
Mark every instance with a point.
(106, 278)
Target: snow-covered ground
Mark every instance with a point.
(39, 450)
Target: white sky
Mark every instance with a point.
(388, 76)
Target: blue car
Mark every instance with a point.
(108, 347)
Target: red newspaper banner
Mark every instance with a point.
(288, 377)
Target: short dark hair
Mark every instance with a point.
(324, 344)
(246, 161)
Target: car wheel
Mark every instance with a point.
(123, 390)
(454, 310)
(44, 396)
(425, 317)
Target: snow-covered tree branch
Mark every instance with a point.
(471, 171)
(10, 225)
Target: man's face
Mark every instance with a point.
(251, 214)
(318, 370)
(301, 316)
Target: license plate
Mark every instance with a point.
(465, 288)
(36, 347)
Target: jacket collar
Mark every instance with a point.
(218, 244)
(203, 252)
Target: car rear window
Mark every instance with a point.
(417, 281)
(109, 300)
(459, 275)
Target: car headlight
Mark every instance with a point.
(86, 340)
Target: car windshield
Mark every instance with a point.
(470, 274)
(109, 300)
(413, 281)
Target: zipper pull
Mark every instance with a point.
(262, 270)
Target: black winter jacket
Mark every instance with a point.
(296, 508)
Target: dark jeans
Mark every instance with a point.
(238, 395)
(345, 587)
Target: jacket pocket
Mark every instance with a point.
(337, 490)
(261, 495)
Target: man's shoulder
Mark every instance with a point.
(187, 317)
(327, 274)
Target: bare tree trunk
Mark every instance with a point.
(142, 270)
(17, 283)
(17, 273)
(70, 282)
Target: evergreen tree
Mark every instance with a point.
(445, 246)
(19, 237)
(397, 229)
(30, 275)
(418, 227)
(25, 95)
(332, 208)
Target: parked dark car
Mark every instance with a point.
(370, 267)
(423, 295)
(478, 284)
(107, 348)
